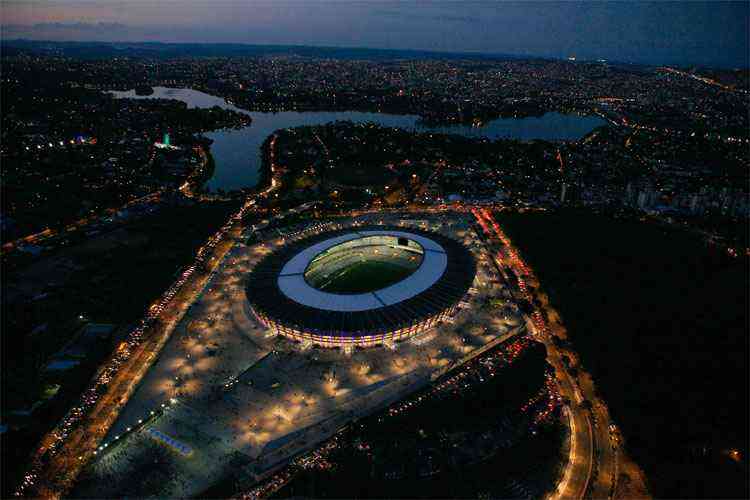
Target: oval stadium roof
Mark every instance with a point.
(276, 287)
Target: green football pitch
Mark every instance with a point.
(364, 276)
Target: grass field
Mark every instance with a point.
(366, 276)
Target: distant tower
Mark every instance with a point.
(166, 139)
(562, 193)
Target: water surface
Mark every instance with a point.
(238, 156)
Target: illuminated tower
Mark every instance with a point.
(166, 139)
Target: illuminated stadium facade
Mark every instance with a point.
(360, 287)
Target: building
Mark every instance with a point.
(360, 287)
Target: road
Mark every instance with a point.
(76, 439)
(703, 79)
(103, 217)
(591, 445)
(577, 475)
(119, 378)
(79, 225)
(65, 450)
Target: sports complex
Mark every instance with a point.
(240, 387)
(360, 287)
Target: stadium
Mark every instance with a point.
(360, 286)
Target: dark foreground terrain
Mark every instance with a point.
(489, 434)
(659, 319)
(109, 280)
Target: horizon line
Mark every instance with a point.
(470, 54)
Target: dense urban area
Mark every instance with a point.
(636, 232)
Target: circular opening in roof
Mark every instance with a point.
(364, 265)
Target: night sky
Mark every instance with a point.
(705, 33)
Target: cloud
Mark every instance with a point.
(66, 31)
(100, 26)
(457, 19)
(428, 12)
(661, 32)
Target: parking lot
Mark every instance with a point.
(239, 397)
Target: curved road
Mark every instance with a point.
(591, 445)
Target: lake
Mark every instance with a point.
(237, 152)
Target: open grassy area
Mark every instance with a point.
(660, 321)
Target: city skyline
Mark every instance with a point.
(694, 33)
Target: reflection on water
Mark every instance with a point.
(237, 152)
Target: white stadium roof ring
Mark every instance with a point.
(418, 279)
(293, 284)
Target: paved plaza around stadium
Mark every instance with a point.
(231, 395)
